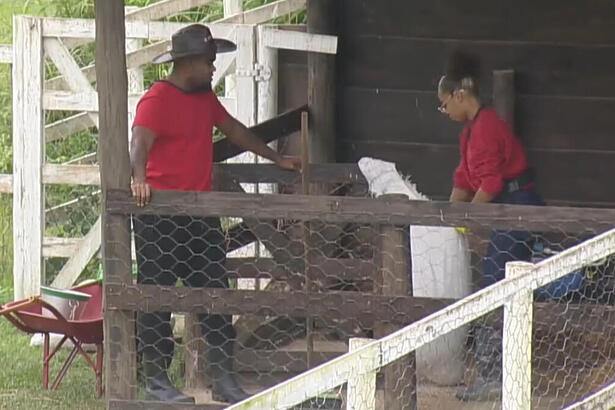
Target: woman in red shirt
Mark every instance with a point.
(493, 168)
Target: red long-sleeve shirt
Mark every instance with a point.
(490, 154)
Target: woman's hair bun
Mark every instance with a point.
(462, 64)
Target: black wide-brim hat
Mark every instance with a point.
(193, 40)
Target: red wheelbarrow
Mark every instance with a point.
(83, 324)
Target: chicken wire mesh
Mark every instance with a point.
(356, 274)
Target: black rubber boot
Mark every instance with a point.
(487, 386)
(157, 346)
(220, 372)
(158, 387)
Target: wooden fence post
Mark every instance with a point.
(111, 78)
(394, 280)
(28, 156)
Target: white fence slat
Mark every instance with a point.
(153, 30)
(67, 126)
(361, 389)
(54, 247)
(71, 174)
(6, 183)
(603, 399)
(517, 344)
(28, 156)
(163, 9)
(245, 86)
(295, 40)
(6, 53)
(267, 12)
(134, 59)
(225, 65)
(415, 335)
(84, 252)
(69, 68)
(267, 85)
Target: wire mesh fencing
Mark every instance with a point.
(338, 268)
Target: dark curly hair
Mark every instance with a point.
(462, 72)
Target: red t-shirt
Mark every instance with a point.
(491, 154)
(181, 157)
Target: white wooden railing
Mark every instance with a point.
(358, 367)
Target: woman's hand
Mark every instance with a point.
(141, 192)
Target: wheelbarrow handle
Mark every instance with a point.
(30, 301)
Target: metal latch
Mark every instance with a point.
(258, 71)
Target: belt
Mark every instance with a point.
(520, 183)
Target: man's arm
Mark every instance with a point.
(241, 136)
(140, 144)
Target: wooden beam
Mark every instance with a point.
(28, 157)
(71, 174)
(281, 126)
(296, 40)
(321, 19)
(6, 183)
(338, 173)
(367, 210)
(84, 252)
(365, 308)
(6, 53)
(504, 95)
(112, 81)
(245, 173)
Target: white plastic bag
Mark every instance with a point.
(440, 269)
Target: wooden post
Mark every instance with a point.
(394, 280)
(322, 19)
(194, 360)
(517, 344)
(504, 95)
(111, 78)
(28, 156)
(305, 182)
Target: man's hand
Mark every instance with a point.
(141, 192)
(289, 163)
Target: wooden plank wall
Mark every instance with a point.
(393, 52)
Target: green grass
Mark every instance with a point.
(21, 375)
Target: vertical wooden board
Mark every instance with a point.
(194, 354)
(504, 95)
(111, 78)
(321, 16)
(245, 85)
(28, 156)
(400, 388)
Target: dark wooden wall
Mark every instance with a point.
(391, 56)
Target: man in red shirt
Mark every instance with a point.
(172, 149)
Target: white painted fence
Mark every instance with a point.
(514, 293)
(253, 100)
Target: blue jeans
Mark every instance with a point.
(506, 246)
